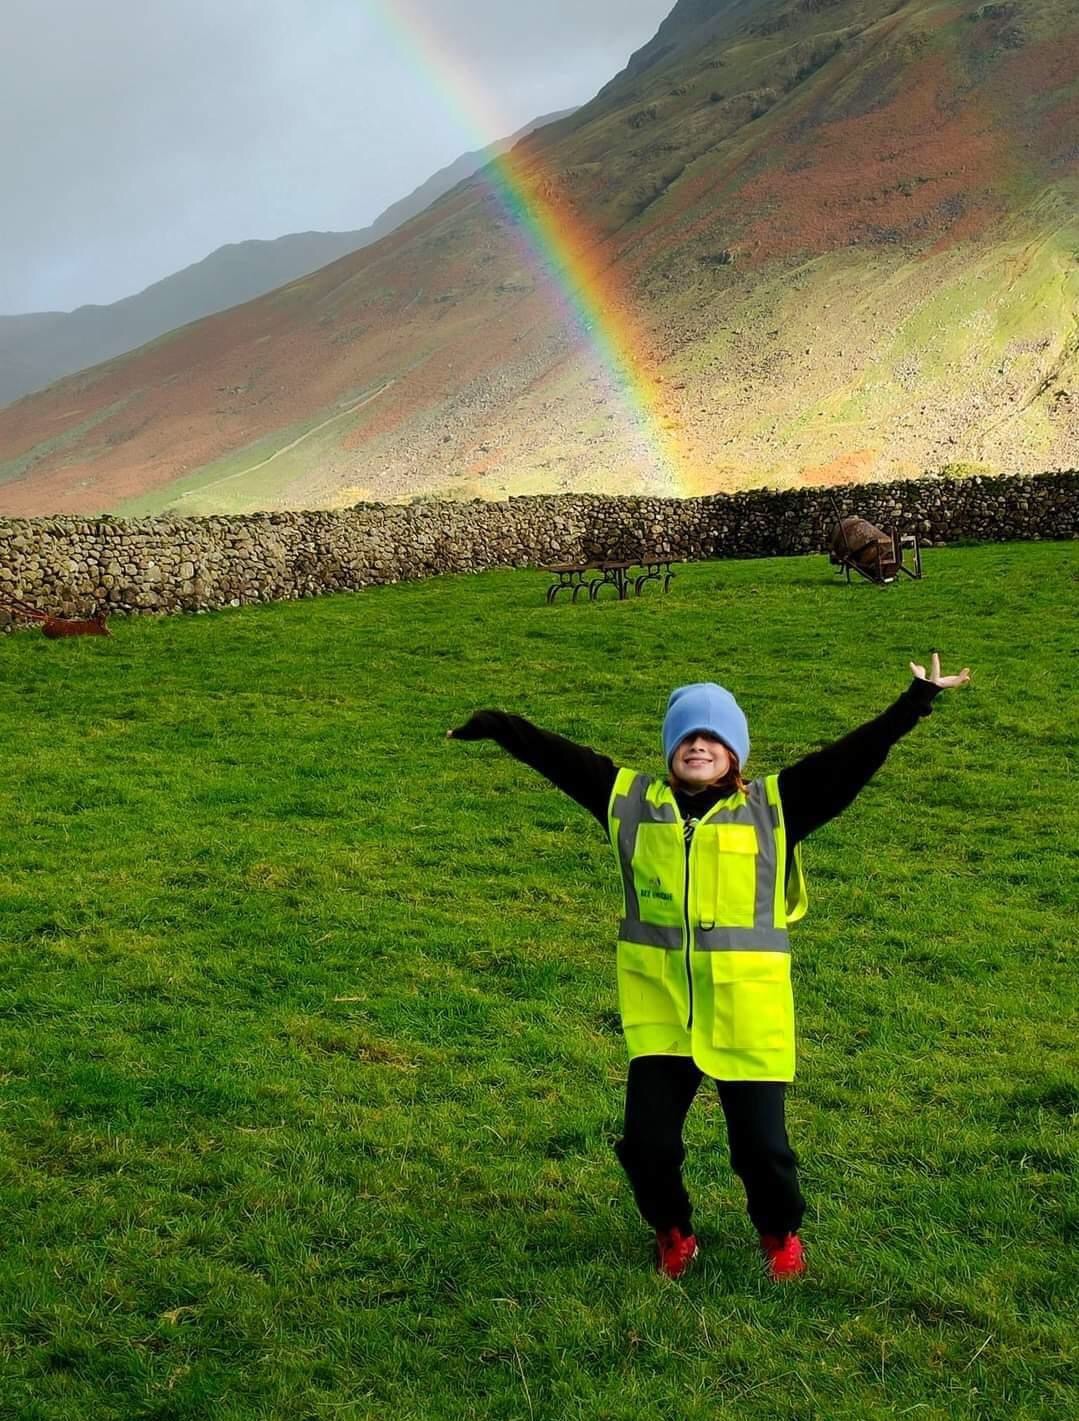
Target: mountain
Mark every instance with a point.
(39, 347)
(837, 239)
(447, 178)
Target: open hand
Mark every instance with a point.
(944, 682)
(473, 729)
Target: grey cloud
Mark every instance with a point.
(136, 137)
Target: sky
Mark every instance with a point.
(136, 136)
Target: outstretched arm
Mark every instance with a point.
(578, 771)
(822, 785)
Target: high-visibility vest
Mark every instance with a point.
(703, 952)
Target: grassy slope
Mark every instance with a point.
(925, 167)
(311, 1064)
(259, 475)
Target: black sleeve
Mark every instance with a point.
(578, 771)
(822, 785)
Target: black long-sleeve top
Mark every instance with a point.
(812, 791)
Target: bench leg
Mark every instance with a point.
(563, 586)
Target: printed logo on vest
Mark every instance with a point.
(655, 890)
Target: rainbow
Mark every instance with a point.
(555, 240)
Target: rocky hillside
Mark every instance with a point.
(846, 231)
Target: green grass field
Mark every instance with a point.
(309, 1059)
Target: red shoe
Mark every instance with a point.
(785, 1254)
(675, 1251)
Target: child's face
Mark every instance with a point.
(700, 760)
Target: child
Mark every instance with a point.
(712, 876)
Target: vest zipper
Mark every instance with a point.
(693, 825)
(688, 844)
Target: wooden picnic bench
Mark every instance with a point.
(592, 577)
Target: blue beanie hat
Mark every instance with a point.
(705, 706)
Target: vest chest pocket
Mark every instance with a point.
(727, 875)
(657, 874)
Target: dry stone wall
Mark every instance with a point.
(73, 565)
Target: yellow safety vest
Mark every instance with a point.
(703, 952)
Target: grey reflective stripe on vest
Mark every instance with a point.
(649, 934)
(742, 940)
(631, 810)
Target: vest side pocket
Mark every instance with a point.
(650, 985)
(754, 1005)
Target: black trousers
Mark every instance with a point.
(659, 1092)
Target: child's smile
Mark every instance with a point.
(700, 760)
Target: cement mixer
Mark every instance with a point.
(858, 546)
